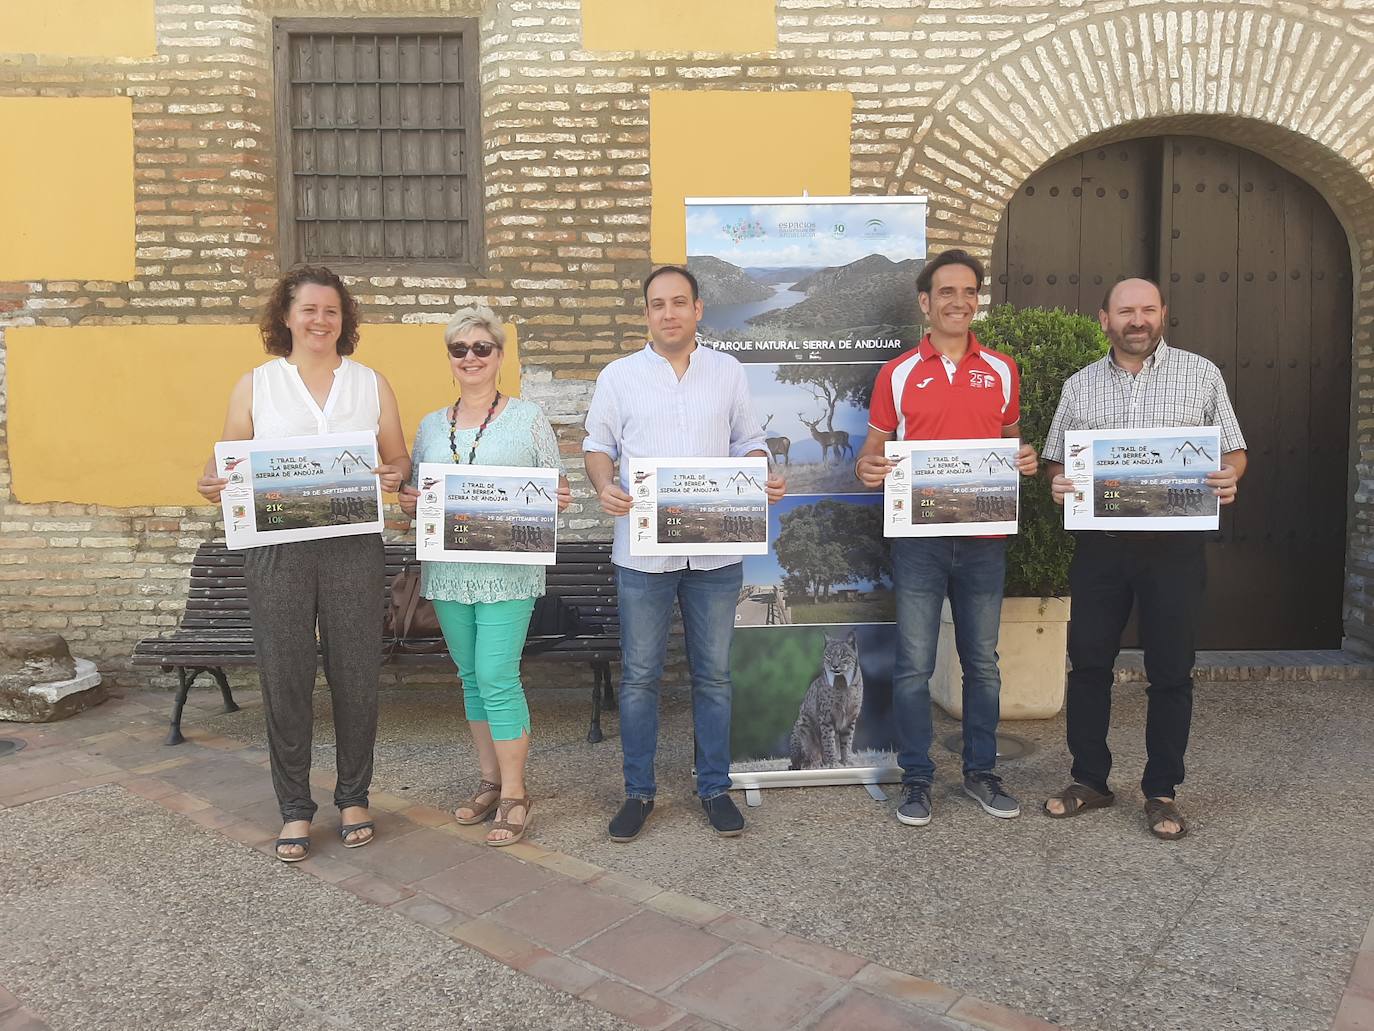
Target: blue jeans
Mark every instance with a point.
(971, 571)
(707, 598)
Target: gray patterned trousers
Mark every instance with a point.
(339, 583)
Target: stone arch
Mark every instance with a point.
(1283, 80)
(1287, 81)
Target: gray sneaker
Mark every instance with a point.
(915, 811)
(986, 789)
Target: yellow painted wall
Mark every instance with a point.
(82, 28)
(127, 415)
(710, 26)
(718, 144)
(66, 188)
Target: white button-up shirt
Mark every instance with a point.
(642, 410)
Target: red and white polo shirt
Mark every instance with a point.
(922, 395)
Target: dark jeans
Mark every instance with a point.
(336, 584)
(971, 572)
(707, 598)
(1164, 575)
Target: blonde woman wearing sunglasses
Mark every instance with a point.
(484, 609)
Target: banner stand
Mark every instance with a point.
(812, 295)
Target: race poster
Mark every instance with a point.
(299, 488)
(698, 506)
(812, 295)
(486, 513)
(952, 488)
(1134, 479)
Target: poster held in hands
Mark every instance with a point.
(486, 513)
(1142, 479)
(698, 506)
(951, 488)
(299, 488)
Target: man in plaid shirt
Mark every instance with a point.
(1142, 383)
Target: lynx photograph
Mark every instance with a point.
(812, 697)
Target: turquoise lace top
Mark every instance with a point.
(519, 435)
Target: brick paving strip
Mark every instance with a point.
(1357, 1004)
(657, 959)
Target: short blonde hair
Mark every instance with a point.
(478, 315)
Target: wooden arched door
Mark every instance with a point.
(1257, 275)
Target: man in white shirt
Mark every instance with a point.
(673, 399)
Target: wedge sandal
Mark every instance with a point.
(348, 828)
(1164, 810)
(480, 810)
(517, 830)
(302, 842)
(1078, 799)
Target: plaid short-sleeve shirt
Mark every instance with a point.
(1174, 388)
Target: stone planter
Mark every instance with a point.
(1032, 655)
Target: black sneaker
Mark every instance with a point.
(726, 819)
(630, 820)
(986, 789)
(915, 811)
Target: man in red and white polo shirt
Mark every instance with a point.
(949, 387)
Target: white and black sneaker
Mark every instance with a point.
(915, 811)
(986, 789)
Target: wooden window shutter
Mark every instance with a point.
(379, 147)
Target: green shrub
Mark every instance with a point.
(1049, 347)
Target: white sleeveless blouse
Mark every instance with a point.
(284, 407)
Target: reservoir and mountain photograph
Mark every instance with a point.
(784, 281)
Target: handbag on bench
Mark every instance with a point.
(410, 624)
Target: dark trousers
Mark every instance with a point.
(338, 584)
(1164, 575)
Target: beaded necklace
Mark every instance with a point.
(453, 429)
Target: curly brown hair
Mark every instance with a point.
(276, 338)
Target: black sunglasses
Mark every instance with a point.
(481, 348)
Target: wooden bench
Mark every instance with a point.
(576, 620)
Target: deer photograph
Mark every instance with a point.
(778, 447)
(836, 441)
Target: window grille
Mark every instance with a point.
(378, 135)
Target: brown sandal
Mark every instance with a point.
(1160, 810)
(517, 830)
(1079, 798)
(480, 810)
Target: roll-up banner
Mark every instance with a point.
(813, 294)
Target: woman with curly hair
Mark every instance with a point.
(335, 586)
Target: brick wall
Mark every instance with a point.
(958, 99)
